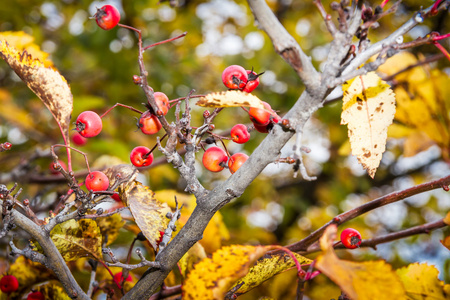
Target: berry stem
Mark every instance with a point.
(154, 147)
(384, 3)
(122, 105)
(443, 50)
(74, 149)
(165, 41)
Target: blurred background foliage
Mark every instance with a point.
(276, 208)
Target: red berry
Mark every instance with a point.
(116, 197)
(350, 238)
(161, 235)
(236, 161)
(149, 123)
(78, 139)
(214, 159)
(253, 81)
(9, 284)
(97, 181)
(261, 116)
(118, 277)
(234, 77)
(107, 17)
(162, 101)
(141, 156)
(36, 296)
(89, 124)
(53, 168)
(240, 134)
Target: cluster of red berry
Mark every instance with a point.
(235, 77)
(89, 123)
(9, 284)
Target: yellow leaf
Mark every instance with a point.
(416, 143)
(195, 254)
(28, 273)
(53, 290)
(213, 277)
(215, 233)
(447, 218)
(230, 99)
(368, 110)
(45, 82)
(149, 213)
(75, 239)
(266, 268)
(421, 282)
(110, 226)
(366, 280)
(23, 41)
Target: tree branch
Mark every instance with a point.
(285, 45)
(379, 202)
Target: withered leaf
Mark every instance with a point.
(45, 82)
(368, 110)
(230, 99)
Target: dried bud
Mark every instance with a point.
(159, 113)
(210, 140)
(137, 79)
(26, 202)
(206, 114)
(211, 127)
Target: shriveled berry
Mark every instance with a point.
(162, 101)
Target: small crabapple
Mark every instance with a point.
(261, 116)
(253, 81)
(239, 133)
(149, 123)
(162, 101)
(141, 156)
(107, 17)
(236, 161)
(118, 277)
(78, 139)
(9, 284)
(234, 77)
(161, 235)
(116, 198)
(35, 296)
(53, 168)
(88, 124)
(97, 181)
(350, 238)
(214, 159)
